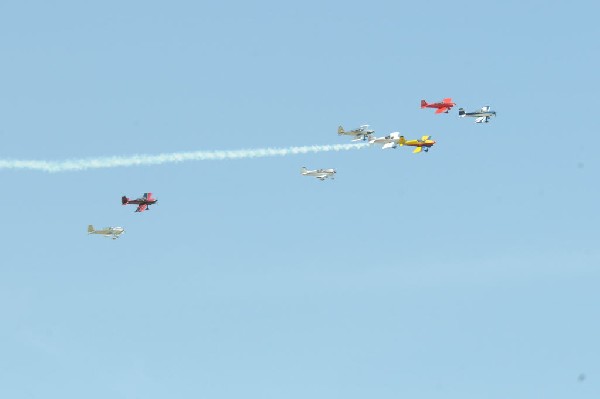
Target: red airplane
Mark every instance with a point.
(444, 106)
(142, 203)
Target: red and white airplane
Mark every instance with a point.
(443, 106)
(142, 203)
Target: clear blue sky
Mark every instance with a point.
(467, 272)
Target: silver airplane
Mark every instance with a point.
(389, 141)
(482, 115)
(361, 133)
(320, 174)
(113, 232)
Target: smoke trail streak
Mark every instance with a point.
(139, 160)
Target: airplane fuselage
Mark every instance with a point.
(439, 105)
(480, 114)
(142, 201)
(417, 143)
(358, 135)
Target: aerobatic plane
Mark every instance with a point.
(482, 115)
(443, 106)
(424, 143)
(320, 174)
(113, 232)
(142, 203)
(389, 141)
(361, 133)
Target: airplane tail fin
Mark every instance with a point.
(340, 130)
(401, 140)
(124, 200)
(90, 229)
(424, 103)
(303, 170)
(461, 112)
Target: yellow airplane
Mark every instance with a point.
(422, 144)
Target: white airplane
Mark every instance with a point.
(320, 174)
(482, 115)
(389, 141)
(113, 232)
(361, 133)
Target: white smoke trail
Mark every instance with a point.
(138, 160)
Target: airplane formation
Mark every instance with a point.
(394, 140)
(362, 133)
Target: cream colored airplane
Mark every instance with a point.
(361, 133)
(320, 174)
(424, 143)
(113, 232)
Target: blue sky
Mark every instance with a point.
(467, 272)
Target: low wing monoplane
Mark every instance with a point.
(361, 133)
(143, 203)
(422, 144)
(443, 106)
(482, 116)
(320, 174)
(389, 141)
(112, 232)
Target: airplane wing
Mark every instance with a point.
(425, 138)
(418, 149)
(447, 100)
(442, 110)
(141, 208)
(389, 145)
(480, 119)
(485, 109)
